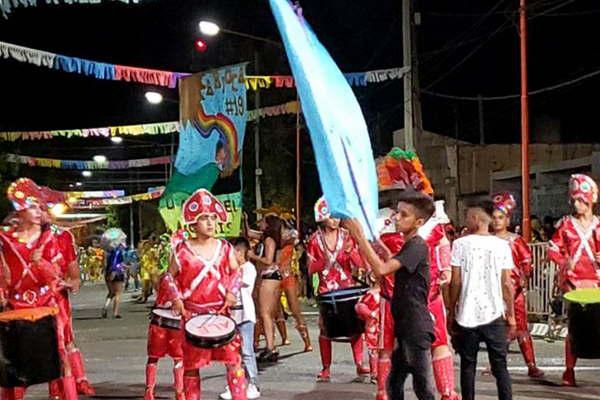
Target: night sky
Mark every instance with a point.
(465, 47)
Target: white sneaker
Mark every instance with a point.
(252, 392)
(226, 395)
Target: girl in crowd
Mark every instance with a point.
(115, 280)
(270, 284)
(289, 284)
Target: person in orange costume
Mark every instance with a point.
(575, 248)
(203, 278)
(333, 254)
(504, 204)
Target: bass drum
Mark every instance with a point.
(28, 347)
(339, 318)
(584, 322)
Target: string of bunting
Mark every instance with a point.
(7, 5)
(152, 194)
(160, 128)
(114, 72)
(86, 165)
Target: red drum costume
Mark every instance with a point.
(573, 249)
(68, 249)
(202, 285)
(27, 284)
(505, 203)
(334, 266)
(164, 342)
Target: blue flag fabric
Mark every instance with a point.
(335, 121)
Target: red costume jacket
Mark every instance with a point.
(522, 258)
(571, 242)
(334, 266)
(30, 285)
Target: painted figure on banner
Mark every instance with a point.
(575, 248)
(504, 204)
(212, 127)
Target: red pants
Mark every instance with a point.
(521, 313)
(196, 357)
(65, 313)
(438, 313)
(164, 341)
(386, 335)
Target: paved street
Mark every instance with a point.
(115, 354)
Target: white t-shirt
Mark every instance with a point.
(481, 259)
(247, 311)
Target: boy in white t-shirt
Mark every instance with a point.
(481, 301)
(244, 315)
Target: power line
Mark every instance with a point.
(514, 96)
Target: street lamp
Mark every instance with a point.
(153, 97)
(100, 158)
(86, 174)
(209, 28)
(116, 139)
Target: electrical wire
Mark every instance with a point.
(514, 96)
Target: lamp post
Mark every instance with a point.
(210, 28)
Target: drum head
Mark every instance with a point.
(210, 326)
(28, 314)
(164, 313)
(583, 296)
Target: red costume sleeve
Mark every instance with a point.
(168, 289)
(351, 251)
(523, 255)
(316, 262)
(557, 247)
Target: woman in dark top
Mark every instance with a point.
(270, 283)
(114, 276)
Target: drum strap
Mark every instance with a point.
(209, 266)
(332, 255)
(584, 239)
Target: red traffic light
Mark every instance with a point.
(200, 45)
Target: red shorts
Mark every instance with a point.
(438, 313)
(196, 357)
(521, 313)
(65, 314)
(164, 341)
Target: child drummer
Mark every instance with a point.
(203, 278)
(575, 249)
(332, 254)
(164, 341)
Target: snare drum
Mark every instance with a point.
(340, 321)
(209, 331)
(28, 347)
(584, 322)
(165, 318)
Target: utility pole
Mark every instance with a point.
(257, 170)
(408, 78)
(526, 222)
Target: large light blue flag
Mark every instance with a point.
(335, 121)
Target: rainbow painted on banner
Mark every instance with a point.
(205, 124)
